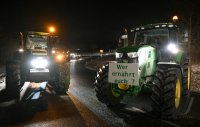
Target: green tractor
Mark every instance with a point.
(33, 67)
(153, 60)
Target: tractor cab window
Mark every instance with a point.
(153, 36)
(36, 42)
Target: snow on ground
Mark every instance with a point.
(195, 78)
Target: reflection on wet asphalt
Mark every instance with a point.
(61, 112)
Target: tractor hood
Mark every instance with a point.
(131, 49)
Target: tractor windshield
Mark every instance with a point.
(36, 42)
(152, 36)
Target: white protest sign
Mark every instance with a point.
(126, 73)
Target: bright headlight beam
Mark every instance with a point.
(21, 50)
(132, 54)
(39, 63)
(172, 48)
(53, 51)
(118, 55)
(59, 57)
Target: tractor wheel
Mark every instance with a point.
(62, 79)
(157, 90)
(172, 93)
(103, 89)
(167, 93)
(186, 71)
(12, 80)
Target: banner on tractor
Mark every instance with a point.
(126, 73)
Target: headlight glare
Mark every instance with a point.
(53, 51)
(172, 48)
(118, 55)
(132, 54)
(59, 57)
(39, 63)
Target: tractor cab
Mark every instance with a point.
(160, 33)
(37, 43)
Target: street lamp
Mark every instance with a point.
(52, 29)
(175, 18)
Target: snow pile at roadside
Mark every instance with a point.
(195, 78)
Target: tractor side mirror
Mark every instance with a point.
(185, 37)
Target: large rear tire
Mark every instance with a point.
(186, 71)
(103, 89)
(11, 92)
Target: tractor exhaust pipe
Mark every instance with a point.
(22, 41)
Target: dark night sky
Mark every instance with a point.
(83, 24)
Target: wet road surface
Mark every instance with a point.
(63, 111)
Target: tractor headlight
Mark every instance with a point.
(73, 55)
(53, 51)
(59, 57)
(21, 50)
(172, 48)
(132, 54)
(39, 62)
(118, 55)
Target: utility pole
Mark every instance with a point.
(190, 33)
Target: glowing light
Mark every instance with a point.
(52, 29)
(175, 18)
(39, 63)
(101, 50)
(21, 50)
(53, 51)
(60, 57)
(172, 48)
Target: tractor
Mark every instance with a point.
(150, 58)
(33, 68)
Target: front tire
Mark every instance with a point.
(167, 92)
(61, 78)
(103, 88)
(172, 93)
